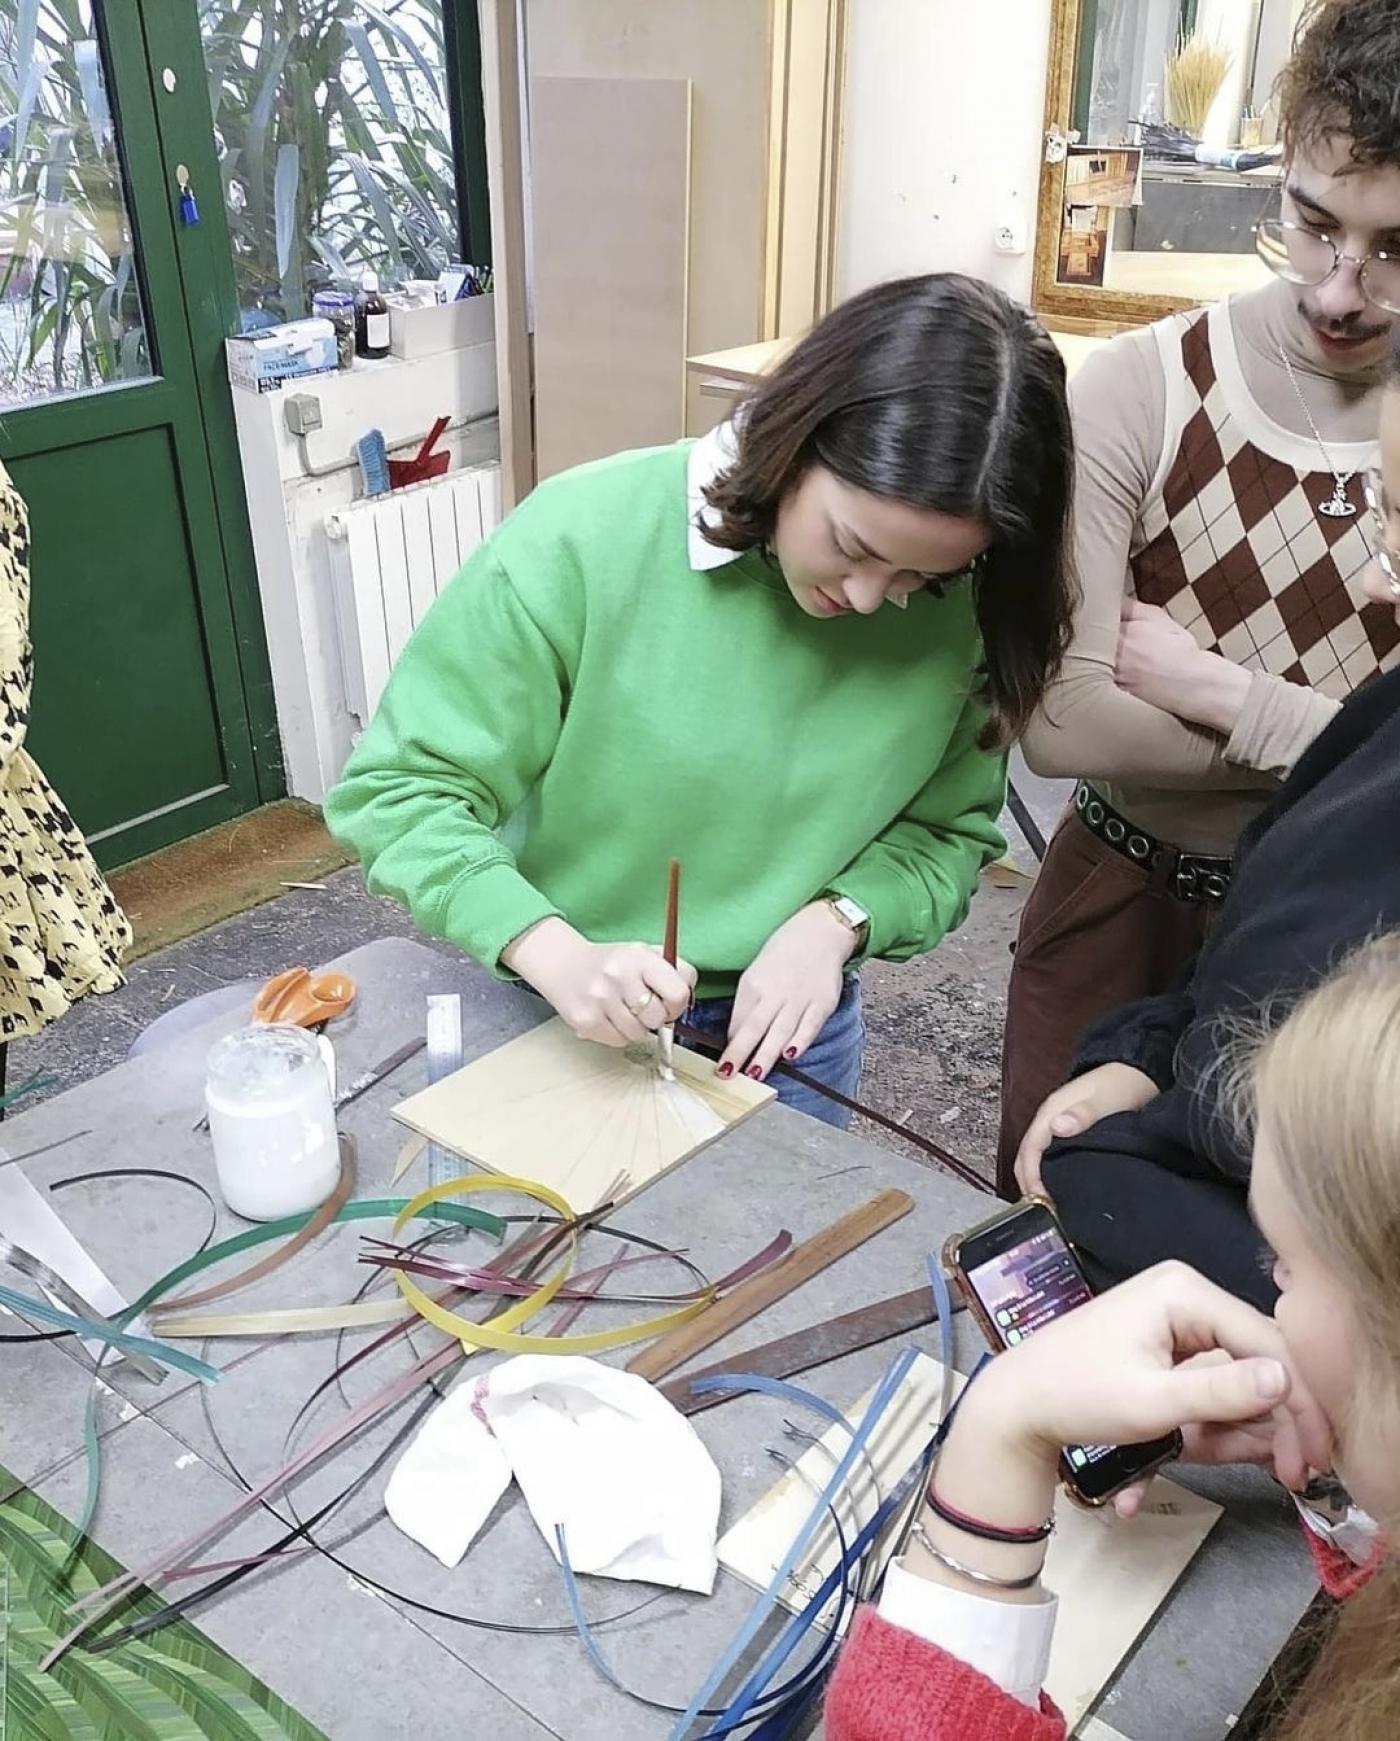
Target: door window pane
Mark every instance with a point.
(70, 302)
(335, 145)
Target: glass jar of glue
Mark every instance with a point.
(269, 1095)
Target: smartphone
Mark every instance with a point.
(1017, 1272)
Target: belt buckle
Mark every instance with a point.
(1185, 884)
(1193, 880)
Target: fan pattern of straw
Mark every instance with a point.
(1194, 75)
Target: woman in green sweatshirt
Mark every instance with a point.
(683, 652)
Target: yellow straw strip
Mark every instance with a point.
(285, 1321)
(501, 1332)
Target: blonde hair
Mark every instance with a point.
(1325, 1088)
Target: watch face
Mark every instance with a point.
(854, 915)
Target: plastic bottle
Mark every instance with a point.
(338, 307)
(371, 319)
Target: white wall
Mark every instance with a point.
(943, 117)
(288, 511)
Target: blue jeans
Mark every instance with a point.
(834, 1057)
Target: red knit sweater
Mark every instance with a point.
(891, 1686)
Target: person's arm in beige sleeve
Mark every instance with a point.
(1088, 725)
(1264, 722)
(1276, 723)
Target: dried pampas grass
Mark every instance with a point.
(1194, 75)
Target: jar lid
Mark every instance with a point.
(258, 1060)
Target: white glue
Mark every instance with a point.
(272, 1121)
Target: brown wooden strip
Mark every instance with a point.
(753, 1296)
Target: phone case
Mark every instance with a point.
(952, 1262)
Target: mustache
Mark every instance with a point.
(1345, 329)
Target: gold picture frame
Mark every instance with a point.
(1075, 307)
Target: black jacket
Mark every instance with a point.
(1316, 874)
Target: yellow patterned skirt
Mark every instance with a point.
(62, 934)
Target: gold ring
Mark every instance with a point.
(642, 1004)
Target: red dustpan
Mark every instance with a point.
(425, 463)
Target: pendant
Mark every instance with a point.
(1337, 506)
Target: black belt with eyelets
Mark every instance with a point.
(1189, 876)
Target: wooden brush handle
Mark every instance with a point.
(673, 911)
(760, 1291)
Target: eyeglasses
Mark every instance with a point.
(1383, 516)
(1304, 256)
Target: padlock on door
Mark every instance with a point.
(189, 206)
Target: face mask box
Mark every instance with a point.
(261, 361)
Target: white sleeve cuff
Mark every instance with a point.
(1009, 1642)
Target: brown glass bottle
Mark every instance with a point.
(371, 319)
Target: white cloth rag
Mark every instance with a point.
(597, 1450)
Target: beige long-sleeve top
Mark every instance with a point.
(1183, 783)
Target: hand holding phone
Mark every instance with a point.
(1114, 1379)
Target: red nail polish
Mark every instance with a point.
(725, 1070)
(754, 1071)
(790, 1054)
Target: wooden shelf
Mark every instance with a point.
(725, 372)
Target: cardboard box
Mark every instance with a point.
(261, 361)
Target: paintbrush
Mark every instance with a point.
(666, 1037)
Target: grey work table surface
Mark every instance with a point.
(362, 1664)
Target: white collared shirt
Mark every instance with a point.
(1009, 1642)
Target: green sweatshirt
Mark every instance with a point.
(581, 705)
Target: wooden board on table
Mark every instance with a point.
(1111, 1576)
(566, 1113)
(610, 190)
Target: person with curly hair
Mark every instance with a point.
(1220, 541)
(684, 652)
(1138, 1150)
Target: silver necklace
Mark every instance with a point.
(1338, 505)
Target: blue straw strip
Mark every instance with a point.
(102, 1330)
(782, 1722)
(881, 1400)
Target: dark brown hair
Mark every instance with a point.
(942, 393)
(1343, 80)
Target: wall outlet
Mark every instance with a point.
(303, 413)
(1010, 238)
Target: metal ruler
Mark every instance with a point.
(804, 1349)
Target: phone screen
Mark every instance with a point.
(1023, 1274)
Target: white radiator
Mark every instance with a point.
(390, 558)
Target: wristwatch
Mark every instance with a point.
(852, 915)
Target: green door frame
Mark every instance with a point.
(205, 252)
(164, 399)
(462, 39)
(164, 127)
(205, 256)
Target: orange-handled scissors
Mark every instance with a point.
(297, 998)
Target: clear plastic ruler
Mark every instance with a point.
(444, 1057)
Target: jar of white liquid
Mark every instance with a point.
(268, 1096)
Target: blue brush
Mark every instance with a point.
(374, 462)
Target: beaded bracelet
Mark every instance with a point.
(987, 1532)
(921, 1535)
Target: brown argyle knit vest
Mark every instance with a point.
(1232, 542)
